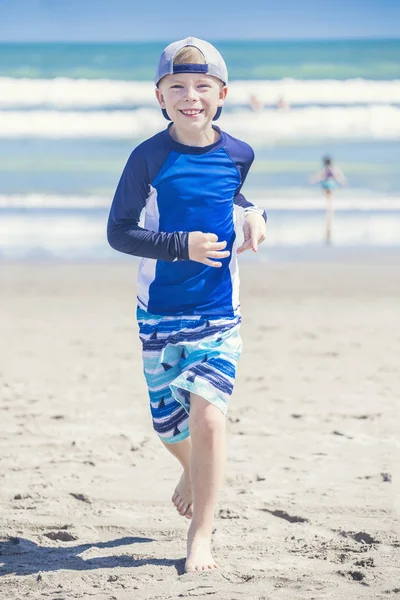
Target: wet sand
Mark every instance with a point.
(311, 501)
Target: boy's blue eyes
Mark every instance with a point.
(181, 86)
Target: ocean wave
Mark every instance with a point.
(77, 236)
(64, 93)
(53, 201)
(292, 199)
(376, 122)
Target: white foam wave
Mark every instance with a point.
(99, 124)
(84, 93)
(328, 91)
(295, 199)
(382, 122)
(83, 236)
(367, 230)
(51, 201)
(74, 93)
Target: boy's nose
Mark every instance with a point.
(191, 93)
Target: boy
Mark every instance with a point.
(188, 179)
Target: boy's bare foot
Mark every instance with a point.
(182, 497)
(199, 556)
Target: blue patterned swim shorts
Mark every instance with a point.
(184, 354)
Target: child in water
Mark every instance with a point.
(329, 177)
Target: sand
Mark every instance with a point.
(311, 501)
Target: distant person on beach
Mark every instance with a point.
(329, 177)
(282, 103)
(188, 180)
(256, 104)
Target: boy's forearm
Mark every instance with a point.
(132, 239)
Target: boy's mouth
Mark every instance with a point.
(191, 112)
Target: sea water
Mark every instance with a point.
(70, 114)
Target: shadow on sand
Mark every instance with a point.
(19, 556)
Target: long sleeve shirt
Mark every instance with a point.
(182, 189)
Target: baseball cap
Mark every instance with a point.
(214, 65)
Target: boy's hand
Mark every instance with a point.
(255, 232)
(205, 246)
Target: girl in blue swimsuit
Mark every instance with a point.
(329, 177)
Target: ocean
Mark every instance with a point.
(70, 114)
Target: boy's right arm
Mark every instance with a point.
(123, 231)
(125, 235)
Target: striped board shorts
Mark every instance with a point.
(184, 354)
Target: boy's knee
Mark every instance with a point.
(208, 420)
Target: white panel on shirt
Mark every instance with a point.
(238, 218)
(147, 267)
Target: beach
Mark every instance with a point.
(310, 505)
(311, 502)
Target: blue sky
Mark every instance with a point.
(121, 20)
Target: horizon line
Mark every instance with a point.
(229, 40)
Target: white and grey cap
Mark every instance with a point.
(214, 63)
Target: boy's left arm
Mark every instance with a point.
(254, 226)
(254, 217)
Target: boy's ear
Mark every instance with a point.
(160, 98)
(222, 95)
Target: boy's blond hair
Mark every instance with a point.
(189, 55)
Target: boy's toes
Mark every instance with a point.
(178, 503)
(182, 507)
(182, 497)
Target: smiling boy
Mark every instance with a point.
(188, 180)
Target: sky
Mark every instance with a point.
(130, 20)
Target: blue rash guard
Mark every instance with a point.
(182, 189)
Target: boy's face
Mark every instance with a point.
(190, 99)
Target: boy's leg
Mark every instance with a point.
(182, 496)
(161, 362)
(204, 387)
(207, 431)
(199, 372)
